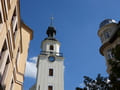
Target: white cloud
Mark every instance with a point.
(34, 59)
(31, 69)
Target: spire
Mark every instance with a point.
(51, 32)
(52, 18)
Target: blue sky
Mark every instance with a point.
(77, 23)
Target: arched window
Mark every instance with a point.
(51, 47)
(107, 35)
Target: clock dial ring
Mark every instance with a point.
(51, 58)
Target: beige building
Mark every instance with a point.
(108, 33)
(15, 37)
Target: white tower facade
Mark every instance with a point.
(50, 65)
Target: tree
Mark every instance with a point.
(100, 83)
(115, 68)
(81, 88)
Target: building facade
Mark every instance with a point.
(15, 37)
(109, 33)
(50, 64)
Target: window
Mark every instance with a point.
(51, 47)
(1, 18)
(50, 87)
(15, 32)
(102, 38)
(14, 19)
(8, 61)
(50, 72)
(109, 54)
(14, 25)
(15, 13)
(4, 48)
(107, 35)
(18, 56)
(11, 87)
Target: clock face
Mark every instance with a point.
(51, 58)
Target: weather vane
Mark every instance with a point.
(52, 18)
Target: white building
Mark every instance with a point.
(50, 65)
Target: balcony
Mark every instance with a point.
(3, 66)
(3, 60)
(51, 53)
(5, 74)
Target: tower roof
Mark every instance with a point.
(51, 31)
(107, 21)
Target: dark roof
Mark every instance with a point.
(106, 21)
(51, 30)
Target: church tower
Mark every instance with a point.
(50, 65)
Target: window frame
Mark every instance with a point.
(51, 71)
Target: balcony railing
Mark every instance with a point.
(51, 53)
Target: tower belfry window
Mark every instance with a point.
(51, 47)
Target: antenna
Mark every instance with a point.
(52, 18)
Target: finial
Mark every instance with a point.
(52, 18)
